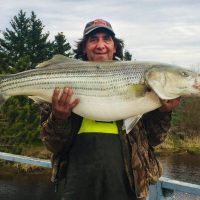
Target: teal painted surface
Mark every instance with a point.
(25, 159)
(166, 188)
(180, 186)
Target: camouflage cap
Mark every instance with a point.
(97, 23)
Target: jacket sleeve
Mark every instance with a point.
(156, 124)
(55, 134)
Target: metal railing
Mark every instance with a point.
(169, 189)
(165, 189)
(25, 159)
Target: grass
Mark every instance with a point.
(174, 143)
(38, 151)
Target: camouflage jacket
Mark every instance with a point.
(142, 167)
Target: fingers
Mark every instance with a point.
(169, 105)
(74, 103)
(65, 96)
(62, 104)
(69, 95)
(55, 96)
(197, 86)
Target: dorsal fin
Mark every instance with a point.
(55, 60)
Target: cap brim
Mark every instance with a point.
(99, 27)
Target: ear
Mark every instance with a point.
(114, 51)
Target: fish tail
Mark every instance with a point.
(3, 96)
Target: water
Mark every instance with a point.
(26, 187)
(182, 167)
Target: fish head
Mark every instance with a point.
(170, 82)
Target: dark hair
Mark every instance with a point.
(80, 46)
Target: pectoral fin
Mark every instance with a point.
(137, 90)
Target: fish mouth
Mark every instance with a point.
(196, 82)
(196, 86)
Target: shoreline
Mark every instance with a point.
(9, 167)
(171, 145)
(166, 151)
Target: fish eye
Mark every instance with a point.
(185, 74)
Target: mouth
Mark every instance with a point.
(100, 53)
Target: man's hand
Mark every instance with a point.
(61, 103)
(197, 86)
(169, 105)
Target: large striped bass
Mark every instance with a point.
(108, 91)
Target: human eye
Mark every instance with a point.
(107, 38)
(93, 39)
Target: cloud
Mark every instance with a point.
(161, 30)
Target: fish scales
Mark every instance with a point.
(105, 79)
(108, 91)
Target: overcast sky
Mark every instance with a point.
(157, 30)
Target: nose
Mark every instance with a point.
(100, 44)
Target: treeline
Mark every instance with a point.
(22, 47)
(25, 44)
(186, 117)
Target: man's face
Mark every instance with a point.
(100, 47)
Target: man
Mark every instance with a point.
(98, 160)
